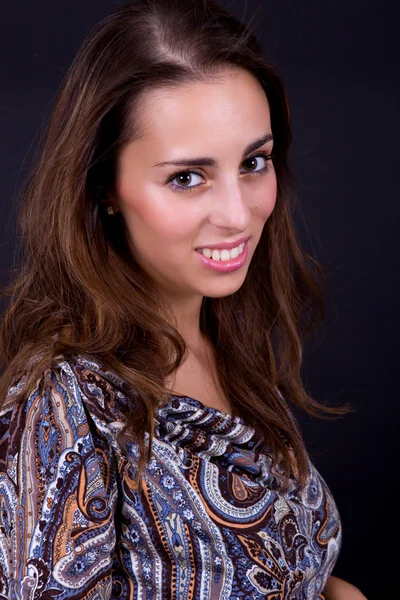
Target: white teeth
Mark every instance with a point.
(223, 254)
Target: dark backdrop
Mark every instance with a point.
(339, 61)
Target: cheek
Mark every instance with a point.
(264, 198)
(160, 217)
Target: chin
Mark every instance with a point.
(220, 289)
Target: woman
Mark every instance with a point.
(153, 339)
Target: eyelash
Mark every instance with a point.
(180, 188)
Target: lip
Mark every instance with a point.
(225, 245)
(225, 266)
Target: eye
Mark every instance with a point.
(185, 178)
(254, 161)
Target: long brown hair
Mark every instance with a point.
(78, 289)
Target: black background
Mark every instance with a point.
(339, 61)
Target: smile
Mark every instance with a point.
(224, 261)
(222, 255)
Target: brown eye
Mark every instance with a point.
(253, 162)
(181, 181)
(184, 178)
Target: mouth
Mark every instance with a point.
(224, 260)
(222, 254)
(224, 250)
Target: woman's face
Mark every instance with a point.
(225, 195)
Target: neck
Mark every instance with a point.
(187, 320)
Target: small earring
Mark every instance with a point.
(110, 210)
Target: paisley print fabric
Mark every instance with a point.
(211, 522)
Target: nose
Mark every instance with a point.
(230, 209)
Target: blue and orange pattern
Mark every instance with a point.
(211, 522)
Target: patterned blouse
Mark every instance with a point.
(210, 523)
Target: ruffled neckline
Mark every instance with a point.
(226, 440)
(194, 428)
(183, 415)
(204, 407)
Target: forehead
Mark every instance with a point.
(233, 104)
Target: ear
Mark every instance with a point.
(109, 201)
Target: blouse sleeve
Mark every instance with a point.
(58, 494)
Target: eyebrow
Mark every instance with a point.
(204, 161)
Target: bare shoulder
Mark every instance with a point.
(339, 589)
